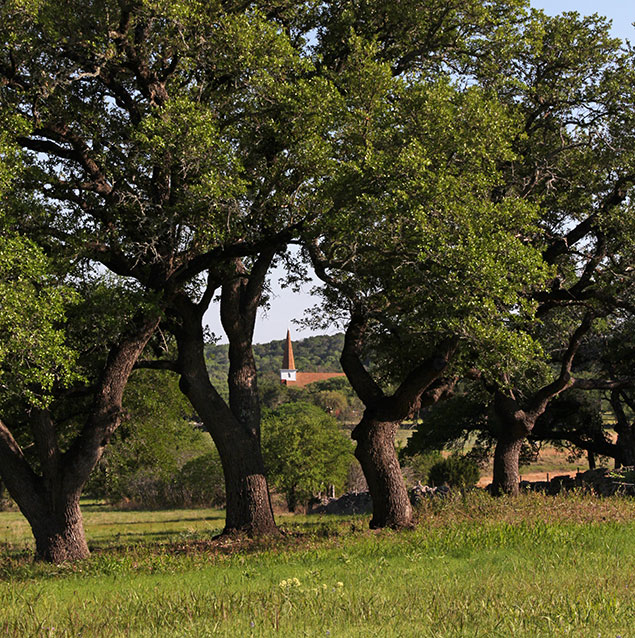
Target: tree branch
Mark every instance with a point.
(158, 364)
(602, 384)
(237, 249)
(364, 385)
(106, 412)
(408, 395)
(15, 471)
(545, 394)
(562, 245)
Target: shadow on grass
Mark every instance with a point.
(132, 542)
(160, 521)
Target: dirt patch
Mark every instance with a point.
(530, 476)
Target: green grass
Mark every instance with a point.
(531, 567)
(107, 527)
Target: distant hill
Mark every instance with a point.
(313, 354)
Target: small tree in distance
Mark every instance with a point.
(304, 451)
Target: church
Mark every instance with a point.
(290, 376)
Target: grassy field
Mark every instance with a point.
(111, 528)
(474, 566)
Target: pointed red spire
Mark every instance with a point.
(288, 362)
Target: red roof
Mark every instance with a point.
(304, 378)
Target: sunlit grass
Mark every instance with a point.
(475, 566)
(107, 526)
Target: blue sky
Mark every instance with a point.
(287, 305)
(621, 12)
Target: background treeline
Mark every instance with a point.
(313, 354)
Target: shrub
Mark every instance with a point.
(201, 480)
(623, 474)
(143, 463)
(416, 467)
(304, 451)
(455, 471)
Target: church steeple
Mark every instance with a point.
(288, 362)
(287, 373)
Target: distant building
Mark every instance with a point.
(288, 373)
(290, 376)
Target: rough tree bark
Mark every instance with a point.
(58, 528)
(50, 500)
(375, 433)
(376, 454)
(517, 419)
(235, 428)
(506, 478)
(515, 425)
(240, 300)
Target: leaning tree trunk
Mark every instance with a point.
(50, 501)
(376, 431)
(376, 453)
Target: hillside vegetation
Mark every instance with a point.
(313, 354)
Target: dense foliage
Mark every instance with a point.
(158, 454)
(456, 471)
(305, 451)
(34, 353)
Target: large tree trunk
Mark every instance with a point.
(59, 530)
(376, 431)
(506, 475)
(248, 504)
(376, 453)
(49, 506)
(515, 425)
(517, 422)
(50, 500)
(240, 299)
(625, 444)
(625, 429)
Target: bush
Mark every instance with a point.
(143, 464)
(304, 451)
(416, 467)
(455, 471)
(201, 480)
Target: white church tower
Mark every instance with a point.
(287, 372)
